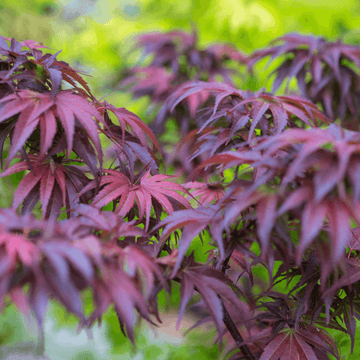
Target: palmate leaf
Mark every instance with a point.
(127, 118)
(58, 257)
(346, 309)
(266, 216)
(250, 106)
(166, 72)
(228, 159)
(119, 289)
(213, 287)
(195, 147)
(16, 246)
(215, 218)
(193, 222)
(312, 167)
(128, 149)
(117, 185)
(139, 266)
(34, 81)
(42, 109)
(53, 183)
(31, 44)
(57, 260)
(207, 192)
(324, 71)
(170, 47)
(245, 114)
(194, 87)
(288, 345)
(60, 71)
(55, 267)
(165, 45)
(112, 225)
(350, 277)
(128, 278)
(315, 193)
(322, 342)
(56, 71)
(207, 143)
(285, 341)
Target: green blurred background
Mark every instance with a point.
(95, 36)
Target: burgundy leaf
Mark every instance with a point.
(118, 185)
(266, 215)
(140, 129)
(312, 222)
(338, 215)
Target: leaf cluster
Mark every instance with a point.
(291, 206)
(293, 192)
(173, 59)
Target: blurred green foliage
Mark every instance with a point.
(62, 342)
(95, 35)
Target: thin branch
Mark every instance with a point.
(236, 335)
(230, 324)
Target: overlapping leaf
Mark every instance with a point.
(117, 185)
(119, 289)
(139, 266)
(166, 72)
(324, 72)
(49, 267)
(193, 222)
(238, 107)
(290, 345)
(139, 128)
(42, 255)
(128, 147)
(294, 155)
(54, 183)
(22, 63)
(112, 225)
(245, 114)
(283, 340)
(207, 192)
(37, 109)
(293, 192)
(209, 283)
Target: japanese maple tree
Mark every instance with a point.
(272, 182)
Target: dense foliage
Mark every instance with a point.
(273, 182)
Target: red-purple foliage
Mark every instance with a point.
(177, 60)
(235, 117)
(271, 183)
(326, 72)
